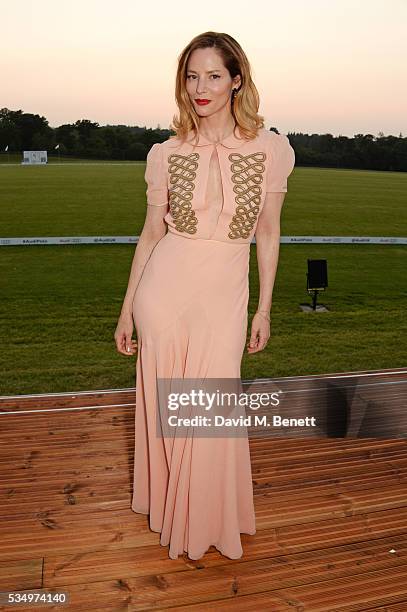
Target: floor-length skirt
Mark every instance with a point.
(190, 314)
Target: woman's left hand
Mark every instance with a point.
(260, 333)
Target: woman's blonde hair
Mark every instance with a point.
(245, 103)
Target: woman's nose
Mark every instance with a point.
(201, 88)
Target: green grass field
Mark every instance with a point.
(60, 304)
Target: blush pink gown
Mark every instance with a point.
(190, 314)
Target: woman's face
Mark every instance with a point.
(208, 79)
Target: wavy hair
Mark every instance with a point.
(244, 105)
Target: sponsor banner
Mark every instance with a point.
(34, 240)
(343, 239)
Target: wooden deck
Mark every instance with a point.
(331, 513)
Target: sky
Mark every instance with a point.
(320, 66)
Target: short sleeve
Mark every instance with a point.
(281, 164)
(155, 177)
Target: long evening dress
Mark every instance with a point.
(190, 315)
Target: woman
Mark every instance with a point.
(221, 180)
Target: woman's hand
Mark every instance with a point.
(123, 334)
(260, 333)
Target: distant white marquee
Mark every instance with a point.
(35, 157)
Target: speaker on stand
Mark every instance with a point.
(317, 280)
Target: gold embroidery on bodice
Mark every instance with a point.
(247, 176)
(182, 171)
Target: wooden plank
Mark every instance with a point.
(354, 592)
(325, 563)
(21, 574)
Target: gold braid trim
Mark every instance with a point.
(247, 174)
(182, 170)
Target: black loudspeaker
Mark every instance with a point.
(317, 276)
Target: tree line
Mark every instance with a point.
(86, 139)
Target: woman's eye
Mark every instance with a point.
(189, 76)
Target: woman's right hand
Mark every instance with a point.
(123, 335)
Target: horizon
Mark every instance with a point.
(379, 134)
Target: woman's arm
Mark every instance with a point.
(267, 250)
(268, 247)
(154, 229)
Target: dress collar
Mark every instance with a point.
(233, 141)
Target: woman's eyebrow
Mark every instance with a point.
(208, 71)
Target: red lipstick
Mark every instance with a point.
(201, 102)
